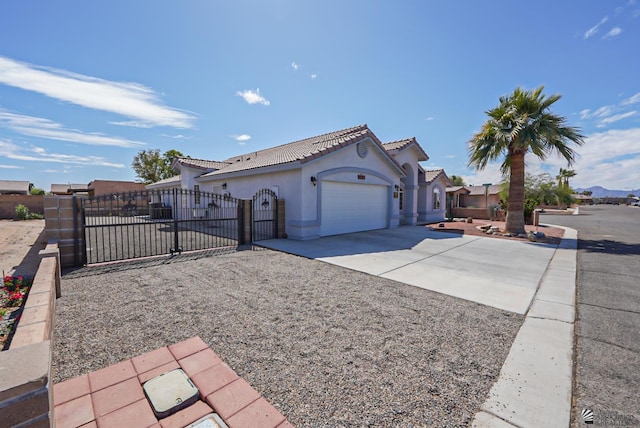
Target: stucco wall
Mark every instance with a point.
(478, 201)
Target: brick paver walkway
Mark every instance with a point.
(113, 396)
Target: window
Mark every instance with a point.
(196, 194)
(436, 199)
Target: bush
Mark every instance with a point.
(35, 216)
(22, 212)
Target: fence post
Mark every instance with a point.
(176, 242)
(245, 223)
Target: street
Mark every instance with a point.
(607, 378)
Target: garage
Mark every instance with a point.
(352, 207)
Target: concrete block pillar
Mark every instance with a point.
(63, 224)
(244, 228)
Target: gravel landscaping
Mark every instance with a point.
(327, 346)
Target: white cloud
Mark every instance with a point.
(294, 66)
(45, 128)
(430, 118)
(133, 124)
(603, 111)
(614, 32)
(38, 154)
(10, 167)
(124, 98)
(610, 159)
(252, 97)
(314, 76)
(593, 30)
(632, 100)
(606, 115)
(491, 174)
(176, 137)
(616, 117)
(241, 137)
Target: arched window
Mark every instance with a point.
(436, 198)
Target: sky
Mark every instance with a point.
(84, 86)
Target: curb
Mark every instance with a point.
(535, 384)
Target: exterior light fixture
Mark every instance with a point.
(314, 180)
(224, 185)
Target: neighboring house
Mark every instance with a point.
(103, 187)
(582, 199)
(474, 196)
(69, 189)
(11, 187)
(340, 182)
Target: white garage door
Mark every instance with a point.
(352, 207)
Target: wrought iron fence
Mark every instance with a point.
(264, 215)
(155, 222)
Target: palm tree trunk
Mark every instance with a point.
(515, 205)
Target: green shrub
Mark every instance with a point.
(35, 216)
(22, 212)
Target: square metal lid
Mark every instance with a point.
(169, 391)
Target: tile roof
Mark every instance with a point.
(14, 186)
(167, 181)
(431, 175)
(479, 190)
(201, 163)
(403, 144)
(454, 189)
(302, 150)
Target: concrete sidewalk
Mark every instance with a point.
(535, 384)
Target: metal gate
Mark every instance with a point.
(130, 225)
(264, 215)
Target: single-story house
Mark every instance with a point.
(341, 182)
(104, 187)
(474, 196)
(69, 189)
(12, 187)
(582, 199)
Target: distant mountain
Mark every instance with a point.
(601, 192)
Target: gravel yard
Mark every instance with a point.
(327, 346)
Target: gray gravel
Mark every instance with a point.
(327, 346)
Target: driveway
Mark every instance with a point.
(499, 273)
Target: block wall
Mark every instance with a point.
(8, 204)
(26, 391)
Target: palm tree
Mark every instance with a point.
(522, 123)
(560, 177)
(568, 173)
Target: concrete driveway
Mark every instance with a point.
(495, 272)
